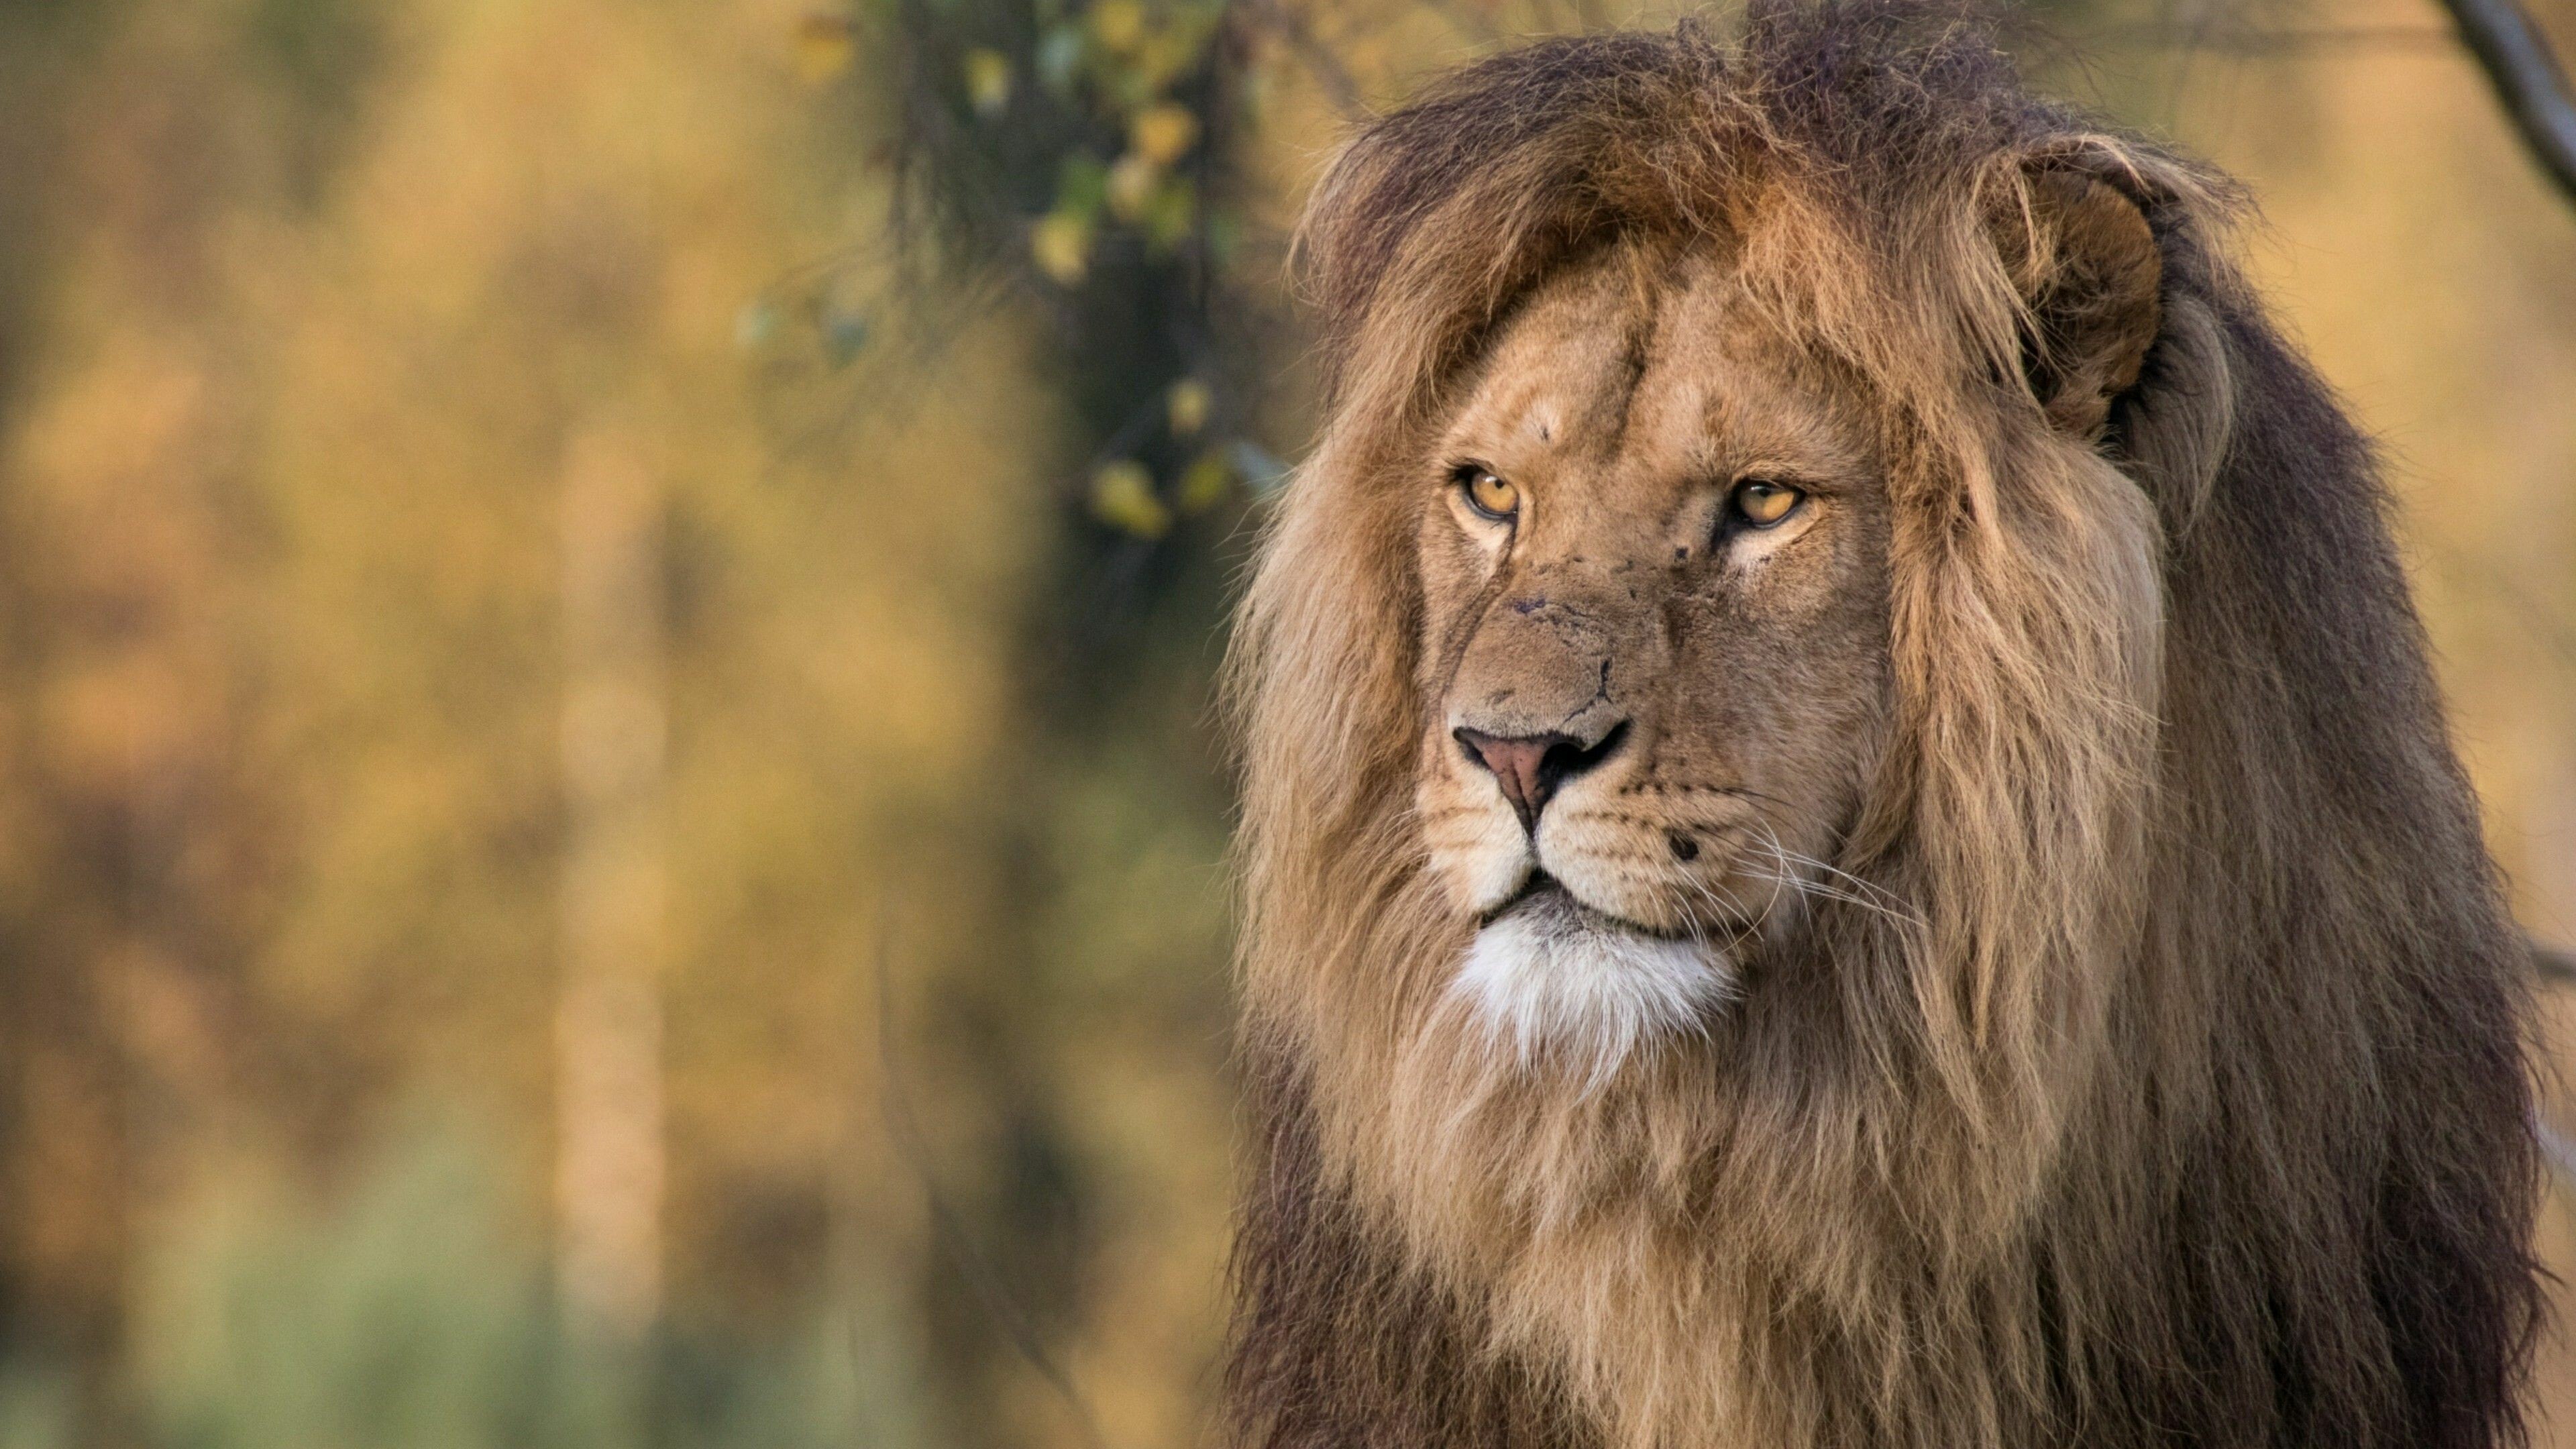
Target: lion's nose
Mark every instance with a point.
(1531, 768)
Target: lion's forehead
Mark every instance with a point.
(1558, 374)
(1657, 378)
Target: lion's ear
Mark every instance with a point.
(2088, 269)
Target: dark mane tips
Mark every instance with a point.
(1870, 120)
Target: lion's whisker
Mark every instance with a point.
(1788, 876)
(1877, 896)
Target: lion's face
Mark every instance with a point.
(1653, 553)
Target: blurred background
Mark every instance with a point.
(610, 826)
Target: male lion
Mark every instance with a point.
(1849, 841)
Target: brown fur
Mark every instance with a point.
(2154, 1077)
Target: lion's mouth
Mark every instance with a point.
(1545, 897)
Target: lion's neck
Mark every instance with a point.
(1692, 1260)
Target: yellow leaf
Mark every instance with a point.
(988, 81)
(1118, 24)
(1061, 245)
(825, 45)
(1122, 496)
(1188, 404)
(1205, 483)
(1162, 132)
(1131, 186)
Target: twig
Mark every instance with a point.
(2527, 80)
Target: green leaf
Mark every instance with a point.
(1082, 186)
(1171, 213)
(1224, 235)
(1206, 482)
(988, 81)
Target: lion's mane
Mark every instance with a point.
(2186, 1103)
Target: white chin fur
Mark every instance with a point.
(1555, 980)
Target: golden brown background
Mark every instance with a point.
(609, 825)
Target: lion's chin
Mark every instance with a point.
(1561, 984)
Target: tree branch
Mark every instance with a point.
(2527, 79)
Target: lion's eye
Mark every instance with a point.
(1763, 503)
(1493, 496)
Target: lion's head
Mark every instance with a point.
(1847, 837)
(1653, 648)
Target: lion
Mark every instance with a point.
(1847, 837)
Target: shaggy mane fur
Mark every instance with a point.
(2187, 1103)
